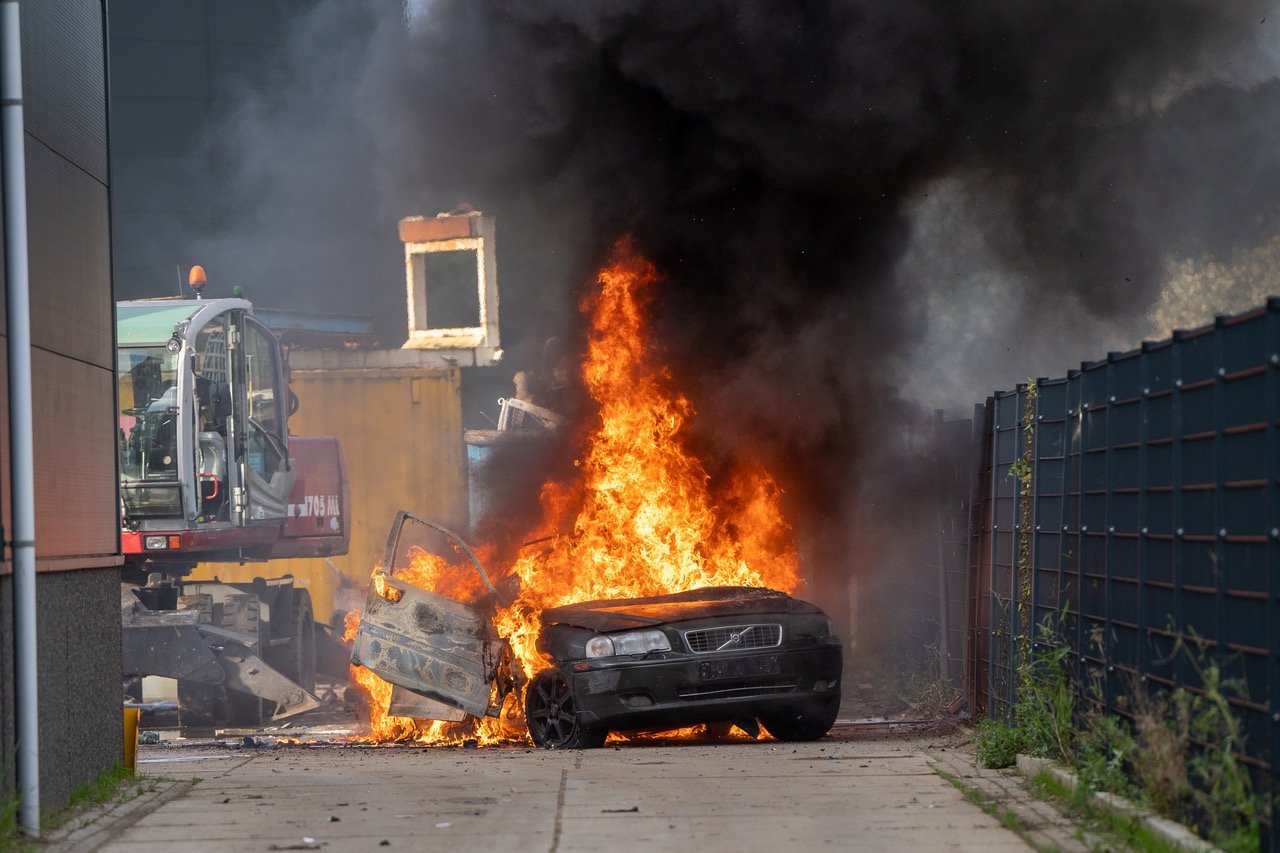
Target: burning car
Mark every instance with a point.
(717, 654)
(724, 654)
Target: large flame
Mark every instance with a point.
(642, 516)
(641, 520)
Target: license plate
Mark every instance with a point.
(714, 670)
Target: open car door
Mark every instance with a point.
(419, 640)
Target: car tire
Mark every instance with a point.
(552, 715)
(809, 721)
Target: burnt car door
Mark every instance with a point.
(423, 641)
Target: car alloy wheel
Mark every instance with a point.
(552, 716)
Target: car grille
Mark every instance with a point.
(733, 639)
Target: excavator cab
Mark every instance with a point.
(208, 470)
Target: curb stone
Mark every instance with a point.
(1040, 823)
(1163, 828)
(106, 822)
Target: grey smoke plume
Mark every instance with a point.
(863, 209)
(774, 160)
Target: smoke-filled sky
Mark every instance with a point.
(832, 187)
(862, 208)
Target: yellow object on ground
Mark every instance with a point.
(131, 739)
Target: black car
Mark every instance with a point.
(718, 654)
(712, 655)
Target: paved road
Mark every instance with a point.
(750, 796)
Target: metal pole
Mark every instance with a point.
(946, 542)
(21, 444)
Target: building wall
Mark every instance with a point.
(77, 527)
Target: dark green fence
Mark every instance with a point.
(1151, 519)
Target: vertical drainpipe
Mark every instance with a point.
(21, 451)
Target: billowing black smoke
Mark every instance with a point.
(821, 181)
(761, 153)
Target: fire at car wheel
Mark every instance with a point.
(552, 716)
(804, 722)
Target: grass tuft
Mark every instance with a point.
(112, 787)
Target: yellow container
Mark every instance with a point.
(131, 739)
(401, 435)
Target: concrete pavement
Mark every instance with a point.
(878, 794)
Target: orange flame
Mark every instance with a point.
(642, 516)
(455, 581)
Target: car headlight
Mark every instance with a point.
(630, 643)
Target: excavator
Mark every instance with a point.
(210, 473)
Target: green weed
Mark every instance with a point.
(1179, 754)
(113, 783)
(1044, 714)
(1046, 707)
(998, 744)
(1104, 749)
(1220, 787)
(1023, 471)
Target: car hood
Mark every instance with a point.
(622, 613)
